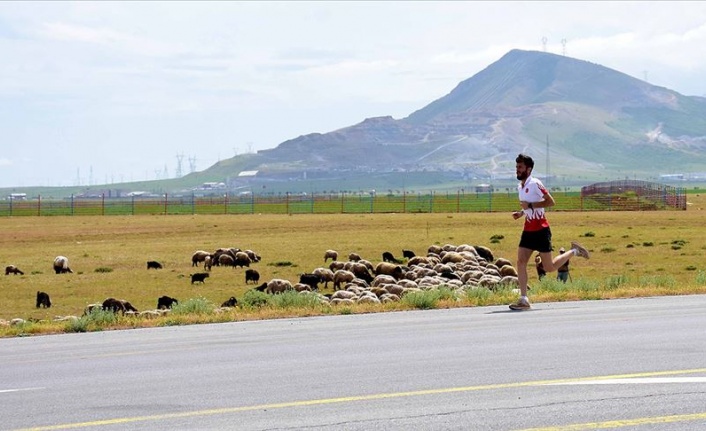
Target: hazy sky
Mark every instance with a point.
(104, 92)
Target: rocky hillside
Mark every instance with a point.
(595, 122)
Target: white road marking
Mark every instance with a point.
(644, 380)
(19, 389)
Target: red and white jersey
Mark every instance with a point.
(533, 191)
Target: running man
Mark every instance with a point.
(536, 235)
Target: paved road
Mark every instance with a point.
(637, 364)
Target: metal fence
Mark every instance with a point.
(630, 195)
(332, 203)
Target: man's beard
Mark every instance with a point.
(522, 176)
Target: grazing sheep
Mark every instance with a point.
(199, 277)
(262, 287)
(13, 269)
(254, 257)
(336, 265)
(252, 275)
(43, 300)
(278, 285)
(389, 269)
(225, 260)
(241, 259)
(164, 302)
(198, 256)
(208, 263)
(231, 302)
(354, 257)
(153, 264)
(326, 275)
(330, 254)
(389, 257)
(484, 252)
(341, 277)
(311, 280)
(115, 305)
(301, 287)
(61, 265)
(408, 254)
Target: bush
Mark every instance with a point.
(281, 263)
(194, 306)
(589, 234)
(615, 281)
(103, 269)
(701, 278)
(294, 299)
(255, 299)
(429, 299)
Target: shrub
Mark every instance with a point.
(630, 246)
(194, 306)
(480, 296)
(255, 299)
(294, 299)
(658, 281)
(281, 263)
(424, 300)
(648, 244)
(589, 234)
(615, 281)
(103, 269)
(497, 237)
(608, 249)
(701, 278)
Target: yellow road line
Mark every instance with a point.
(623, 423)
(371, 397)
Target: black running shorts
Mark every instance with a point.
(538, 240)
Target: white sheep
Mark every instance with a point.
(340, 277)
(278, 285)
(330, 254)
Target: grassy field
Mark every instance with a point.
(634, 254)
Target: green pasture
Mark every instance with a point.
(634, 253)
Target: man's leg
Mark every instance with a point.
(523, 257)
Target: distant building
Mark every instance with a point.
(17, 197)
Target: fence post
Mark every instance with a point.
(252, 202)
(165, 203)
(287, 202)
(11, 205)
(103, 204)
(458, 201)
(431, 203)
(132, 205)
(342, 209)
(312, 202)
(193, 204)
(39, 205)
(225, 203)
(72, 204)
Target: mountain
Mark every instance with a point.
(581, 122)
(595, 123)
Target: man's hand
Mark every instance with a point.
(517, 214)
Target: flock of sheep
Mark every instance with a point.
(355, 280)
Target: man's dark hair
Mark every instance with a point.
(525, 160)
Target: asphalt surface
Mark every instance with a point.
(636, 364)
